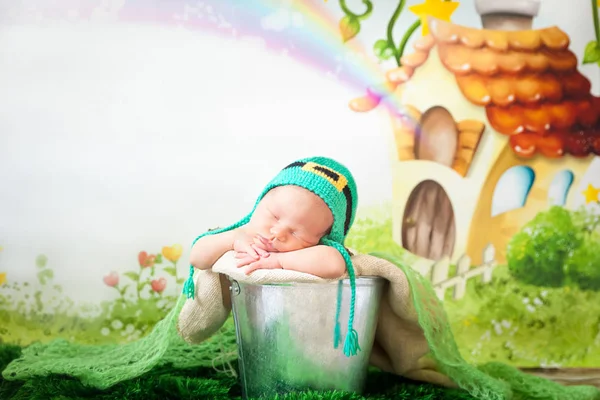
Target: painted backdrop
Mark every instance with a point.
(472, 128)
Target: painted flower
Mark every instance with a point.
(158, 285)
(172, 253)
(146, 260)
(2, 278)
(112, 279)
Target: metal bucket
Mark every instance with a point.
(285, 335)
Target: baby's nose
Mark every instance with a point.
(278, 234)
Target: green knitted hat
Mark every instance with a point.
(333, 183)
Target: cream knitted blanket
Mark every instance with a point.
(413, 337)
(400, 344)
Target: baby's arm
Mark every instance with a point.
(208, 249)
(322, 261)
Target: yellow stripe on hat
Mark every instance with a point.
(338, 180)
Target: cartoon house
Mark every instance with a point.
(491, 126)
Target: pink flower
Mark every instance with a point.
(112, 279)
(146, 260)
(158, 285)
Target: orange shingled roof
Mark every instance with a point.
(528, 82)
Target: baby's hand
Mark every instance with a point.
(271, 261)
(245, 259)
(244, 243)
(248, 248)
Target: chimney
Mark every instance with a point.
(507, 15)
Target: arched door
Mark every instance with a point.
(428, 227)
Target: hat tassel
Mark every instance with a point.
(189, 287)
(337, 330)
(351, 346)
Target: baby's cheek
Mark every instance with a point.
(296, 244)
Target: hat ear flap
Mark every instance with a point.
(351, 345)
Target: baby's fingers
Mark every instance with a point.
(244, 261)
(247, 248)
(260, 252)
(251, 267)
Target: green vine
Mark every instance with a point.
(591, 53)
(384, 49)
(365, 14)
(405, 38)
(350, 24)
(389, 44)
(595, 16)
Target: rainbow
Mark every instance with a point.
(316, 42)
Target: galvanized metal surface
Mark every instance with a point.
(285, 335)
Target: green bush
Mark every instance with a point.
(557, 248)
(583, 266)
(538, 253)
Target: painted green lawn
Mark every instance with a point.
(502, 321)
(506, 320)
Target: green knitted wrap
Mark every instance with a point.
(333, 183)
(103, 366)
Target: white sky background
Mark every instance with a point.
(116, 138)
(114, 141)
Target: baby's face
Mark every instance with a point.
(291, 218)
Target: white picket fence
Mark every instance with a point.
(440, 271)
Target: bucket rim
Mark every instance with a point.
(361, 281)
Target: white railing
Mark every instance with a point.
(440, 271)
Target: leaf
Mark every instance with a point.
(591, 54)
(158, 259)
(171, 271)
(123, 290)
(45, 275)
(349, 27)
(383, 50)
(180, 281)
(41, 261)
(132, 275)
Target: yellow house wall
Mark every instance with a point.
(499, 229)
(433, 85)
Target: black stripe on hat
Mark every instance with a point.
(332, 174)
(295, 164)
(348, 195)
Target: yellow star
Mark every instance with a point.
(591, 194)
(434, 8)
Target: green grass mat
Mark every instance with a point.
(202, 383)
